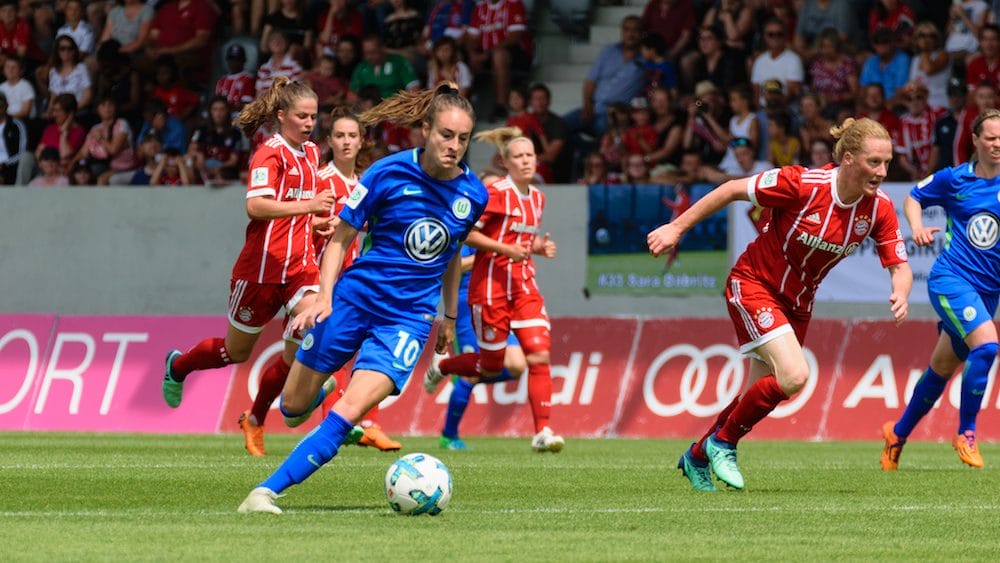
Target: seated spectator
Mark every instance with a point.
(984, 66)
(172, 169)
(812, 125)
(669, 125)
(735, 19)
(743, 122)
(746, 163)
(338, 20)
(19, 93)
(713, 62)
(635, 170)
(75, 27)
(16, 38)
(281, 63)
(216, 149)
(943, 149)
(658, 71)
(148, 149)
(108, 147)
(930, 64)
(446, 18)
(13, 143)
(595, 171)
(887, 66)
(290, 20)
(674, 21)
(445, 65)
(50, 173)
(530, 126)
(778, 62)
(81, 175)
(169, 130)
(239, 86)
(555, 135)
(984, 97)
(895, 16)
(613, 140)
(964, 22)
(330, 89)
(129, 23)
(183, 29)
(402, 30)
(703, 130)
(63, 134)
(388, 72)
(68, 75)
(834, 73)
(817, 15)
(913, 151)
(872, 104)
(784, 147)
(348, 56)
(640, 137)
(498, 40)
(181, 101)
(117, 79)
(820, 154)
(691, 171)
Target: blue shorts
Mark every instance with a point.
(388, 346)
(961, 308)
(465, 335)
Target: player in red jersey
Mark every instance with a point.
(277, 266)
(818, 218)
(503, 294)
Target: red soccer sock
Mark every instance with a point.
(698, 449)
(540, 394)
(756, 403)
(272, 381)
(208, 354)
(462, 365)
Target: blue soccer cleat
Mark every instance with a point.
(698, 472)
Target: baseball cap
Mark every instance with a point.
(236, 51)
(773, 85)
(704, 87)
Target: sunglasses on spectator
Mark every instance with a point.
(739, 142)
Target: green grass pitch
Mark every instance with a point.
(84, 497)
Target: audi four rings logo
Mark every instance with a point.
(695, 397)
(983, 230)
(426, 239)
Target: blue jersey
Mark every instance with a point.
(415, 223)
(973, 211)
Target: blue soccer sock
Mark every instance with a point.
(317, 448)
(925, 394)
(459, 400)
(975, 376)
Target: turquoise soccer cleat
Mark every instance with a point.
(722, 458)
(173, 390)
(447, 443)
(699, 473)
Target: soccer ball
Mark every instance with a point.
(418, 484)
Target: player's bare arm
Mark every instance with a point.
(449, 295)
(902, 282)
(479, 241)
(923, 236)
(665, 237)
(266, 207)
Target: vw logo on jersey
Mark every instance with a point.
(983, 230)
(426, 239)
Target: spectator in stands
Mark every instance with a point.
(817, 15)
(887, 66)
(640, 137)
(172, 169)
(169, 130)
(553, 150)
(348, 57)
(530, 126)
(149, 146)
(964, 22)
(984, 97)
(75, 27)
(239, 86)
(108, 147)
(402, 31)
(389, 72)
(692, 171)
(445, 18)
(820, 154)
(340, 19)
(834, 74)
(129, 24)
(872, 104)
(291, 21)
(734, 18)
(13, 143)
(616, 76)
(180, 100)
(183, 29)
(445, 65)
(50, 173)
(635, 170)
(322, 78)
(913, 149)
(984, 66)
(784, 146)
(943, 149)
(116, 78)
(714, 62)
(498, 39)
(895, 16)
(595, 171)
(746, 163)
(658, 71)
(216, 148)
(703, 130)
(777, 62)
(930, 64)
(63, 133)
(15, 35)
(18, 93)
(68, 74)
(669, 127)
(743, 122)
(813, 126)
(674, 21)
(281, 63)
(613, 139)
(81, 175)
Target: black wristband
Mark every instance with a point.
(450, 318)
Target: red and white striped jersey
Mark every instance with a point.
(494, 21)
(270, 70)
(916, 136)
(238, 88)
(811, 230)
(510, 218)
(330, 178)
(276, 249)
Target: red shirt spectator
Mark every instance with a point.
(179, 100)
(494, 21)
(15, 36)
(238, 88)
(984, 67)
(339, 19)
(892, 15)
(183, 28)
(674, 20)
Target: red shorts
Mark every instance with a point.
(252, 305)
(759, 315)
(525, 315)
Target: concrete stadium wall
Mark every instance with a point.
(170, 251)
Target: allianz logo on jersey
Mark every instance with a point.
(299, 193)
(426, 239)
(523, 228)
(814, 241)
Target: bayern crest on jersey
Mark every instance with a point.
(861, 225)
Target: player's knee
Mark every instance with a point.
(793, 378)
(515, 364)
(239, 354)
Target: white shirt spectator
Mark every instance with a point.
(463, 78)
(786, 67)
(75, 83)
(17, 95)
(83, 35)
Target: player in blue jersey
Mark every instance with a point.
(465, 342)
(964, 286)
(419, 206)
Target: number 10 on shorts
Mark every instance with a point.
(407, 349)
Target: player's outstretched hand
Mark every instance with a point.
(445, 336)
(324, 227)
(899, 307)
(662, 239)
(323, 202)
(314, 313)
(925, 235)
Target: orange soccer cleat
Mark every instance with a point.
(253, 435)
(374, 437)
(892, 448)
(968, 451)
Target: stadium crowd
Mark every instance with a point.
(136, 93)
